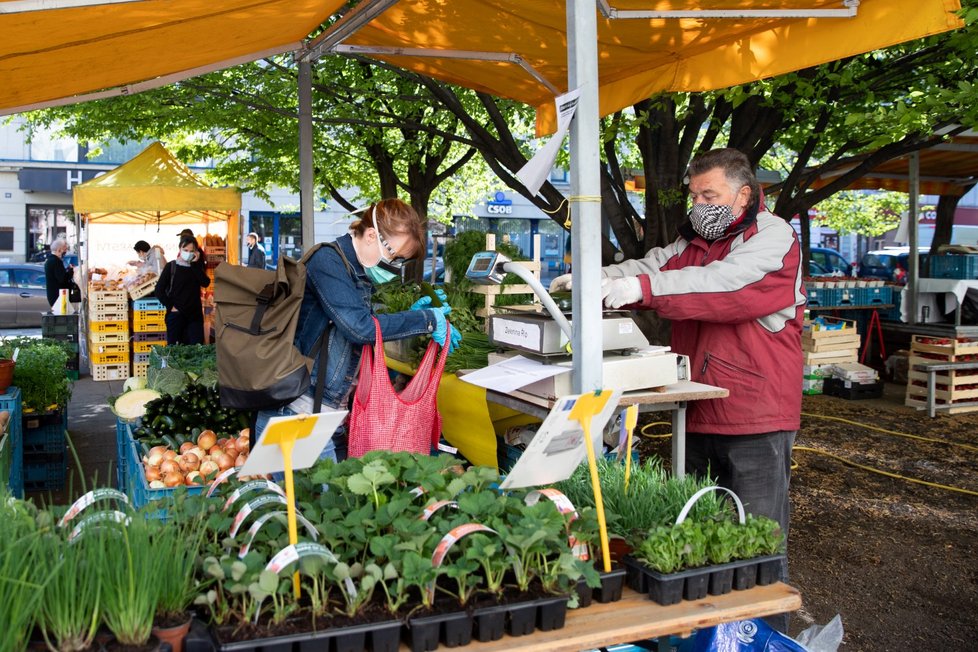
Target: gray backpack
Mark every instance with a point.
(258, 364)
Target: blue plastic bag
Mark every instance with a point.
(743, 636)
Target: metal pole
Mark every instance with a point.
(913, 273)
(582, 72)
(306, 188)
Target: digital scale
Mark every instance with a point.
(629, 364)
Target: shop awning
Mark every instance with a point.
(518, 49)
(153, 187)
(49, 54)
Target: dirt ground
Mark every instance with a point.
(898, 560)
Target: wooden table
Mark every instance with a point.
(636, 618)
(671, 398)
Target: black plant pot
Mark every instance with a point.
(769, 569)
(721, 580)
(551, 613)
(453, 629)
(696, 584)
(635, 574)
(745, 577)
(385, 637)
(422, 634)
(521, 618)
(584, 594)
(490, 622)
(457, 629)
(612, 584)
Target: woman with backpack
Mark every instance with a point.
(178, 289)
(340, 280)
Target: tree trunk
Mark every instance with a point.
(944, 225)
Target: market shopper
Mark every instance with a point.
(57, 277)
(178, 289)
(150, 258)
(731, 285)
(256, 252)
(340, 284)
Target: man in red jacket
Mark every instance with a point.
(732, 286)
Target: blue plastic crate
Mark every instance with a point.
(46, 472)
(122, 436)
(10, 401)
(893, 314)
(963, 266)
(44, 433)
(869, 296)
(824, 297)
(146, 304)
(137, 488)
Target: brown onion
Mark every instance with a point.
(241, 459)
(208, 467)
(245, 432)
(206, 439)
(224, 461)
(154, 459)
(158, 449)
(170, 455)
(173, 479)
(186, 446)
(243, 444)
(157, 484)
(169, 466)
(153, 473)
(189, 462)
(231, 447)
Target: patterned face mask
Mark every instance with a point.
(711, 220)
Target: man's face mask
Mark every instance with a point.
(711, 220)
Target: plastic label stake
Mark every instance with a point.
(585, 408)
(629, 422)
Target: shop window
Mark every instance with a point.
(6, 238)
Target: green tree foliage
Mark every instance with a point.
(862, 213)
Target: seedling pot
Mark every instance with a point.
(521, 618)
(612, 584)
(551, 613)
(173, 636)
(490, 622)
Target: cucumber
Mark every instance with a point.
(171, 442)
(181, 438)
(144, 448)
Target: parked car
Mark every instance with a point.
(22, 295)
(827, 262)
(890, 264)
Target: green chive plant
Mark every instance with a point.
(23, 573)
(71, 611)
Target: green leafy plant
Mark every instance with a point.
(178, 586)
(71, 611)
(133, 565)
(662, 549)
(39, 373)
(23, 573)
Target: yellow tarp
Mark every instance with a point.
(156, 188)
(57, 53)
(639, 57)
(468, 421)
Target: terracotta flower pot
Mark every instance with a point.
(6, 374)
(173, 635)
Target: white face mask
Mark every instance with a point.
(187, 255)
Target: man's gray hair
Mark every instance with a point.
(735, 165)
(59, 244)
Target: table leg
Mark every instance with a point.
(679, 440)
(931, 388)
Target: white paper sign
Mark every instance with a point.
(513, 373)
(312, 431)
(537, 169)
(558, 447)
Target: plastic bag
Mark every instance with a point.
(743, 636)
(823, 638)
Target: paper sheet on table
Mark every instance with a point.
(535, 171)
(558, 447)
(512, 373)
(312, 432)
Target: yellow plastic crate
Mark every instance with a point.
(105, 338)
(140, 316)
(140, 369)
(145, 347)
(149, 325)
(110, 371)
(109, 326)
(108, 347)
(109, 358)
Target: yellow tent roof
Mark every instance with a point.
(153, 187)
(637, 57)
(47, 53)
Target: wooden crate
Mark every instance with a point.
(830, 357)
(102, 372)
(812, 329)
(945, 348)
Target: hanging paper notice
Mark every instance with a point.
(558, 447)
(311, 433)
(537, 169)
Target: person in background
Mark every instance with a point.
(178, 289)
(56, 276)
(732, 286)
(339, 291)
(151, 259)
(256, 252)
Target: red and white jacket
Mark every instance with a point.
(736, 306)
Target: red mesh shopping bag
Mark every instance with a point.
(382, 419)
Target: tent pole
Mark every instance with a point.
(305, 155)
(585, 206)
(913, 218)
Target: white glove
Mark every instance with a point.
(561, 284)
(617, 292)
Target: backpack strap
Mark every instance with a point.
(321, 348)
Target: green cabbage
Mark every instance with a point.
(167, 380)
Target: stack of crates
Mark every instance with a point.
(45, 456)
(216, 254)
(108, 334)
(63, 328)
(11, 445)
(148, 330)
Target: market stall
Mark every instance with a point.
(152, 197)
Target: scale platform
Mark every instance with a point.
(538, 334)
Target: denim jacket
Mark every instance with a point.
(333, 296)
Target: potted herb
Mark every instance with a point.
(23, 573)
(71, 610)
(39, 373)
(178, 586)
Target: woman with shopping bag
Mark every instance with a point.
(340, 280)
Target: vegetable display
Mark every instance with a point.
(187, 414)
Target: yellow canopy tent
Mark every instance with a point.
(155, 188)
